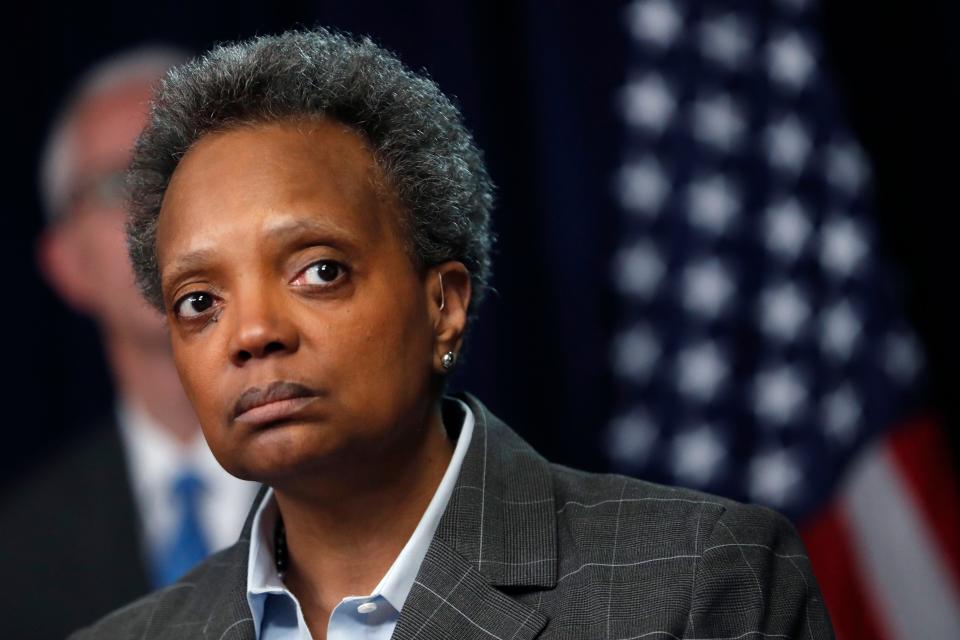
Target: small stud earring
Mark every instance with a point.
(448, 360)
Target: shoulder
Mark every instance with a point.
(653, 509)
(71, 539)
(129, 621)
(613, 509)
(201, 599)
(78, 494)
(733, 568)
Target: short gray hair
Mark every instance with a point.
(417, 136)
(144, 64)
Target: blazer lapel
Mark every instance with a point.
(230, 616)
(497, 534)
(208, 603)
(217, 595)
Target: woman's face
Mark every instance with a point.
(303, 334)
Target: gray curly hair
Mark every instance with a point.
(416, 133)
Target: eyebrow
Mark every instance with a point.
(199, 259)
(324, 229)
(186, 265)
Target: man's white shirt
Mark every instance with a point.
(155, 458)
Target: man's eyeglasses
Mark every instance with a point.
(106, 191)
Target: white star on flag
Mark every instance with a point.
(714, 203)
(775, 477)
(726, 40)
(654, 21)
(707, 287)
(779, 395)
(630, 437)
(718, 121)
(840, 328)
(696, 455)
(783, 311)
(787, 228)
(639, 269)
(701, 369)
(642, 187)
(635, 352)
(842, 246)
(846, 168)
(788, 144)
(648, 103)
(841, 414)
(790, 60)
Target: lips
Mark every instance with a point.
(278, 401)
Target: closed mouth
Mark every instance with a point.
(276, 392)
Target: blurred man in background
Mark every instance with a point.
(140, 499)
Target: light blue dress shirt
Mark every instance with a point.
(277, 614)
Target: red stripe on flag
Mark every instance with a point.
(852, 611)
(922, 455)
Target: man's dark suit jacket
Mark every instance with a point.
(70, 549)
(528, 549)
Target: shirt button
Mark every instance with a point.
(367, 607)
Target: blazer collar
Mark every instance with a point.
(497, 534)
(501, 516)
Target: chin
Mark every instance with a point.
(271, 455)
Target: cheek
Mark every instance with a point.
(199, 382)
(385, 349)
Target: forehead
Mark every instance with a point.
(244, 182)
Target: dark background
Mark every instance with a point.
(536, 82)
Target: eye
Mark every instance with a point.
(193, 305)
(324, 272)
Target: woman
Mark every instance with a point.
(313, 219)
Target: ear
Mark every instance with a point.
(448, 287)
(59, 260)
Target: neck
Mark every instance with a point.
(343, 539)
(144, 373)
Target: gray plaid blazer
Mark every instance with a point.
(527, 549)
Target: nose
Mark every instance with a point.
(261, 328)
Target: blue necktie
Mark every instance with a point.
(188, 546)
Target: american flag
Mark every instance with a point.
(762, 352)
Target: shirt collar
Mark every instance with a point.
(262, 576)
(398, 580)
